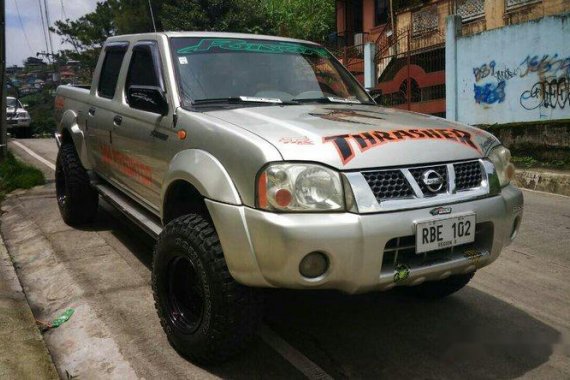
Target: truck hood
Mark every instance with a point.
(359, 136)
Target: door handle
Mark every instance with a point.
(91, 111)
(117, 120)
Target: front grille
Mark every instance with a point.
(388, 184)
(417, 173)
(468, 175)
(408, 182)
(402, 250)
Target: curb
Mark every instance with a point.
(25, 356)
(550, 182)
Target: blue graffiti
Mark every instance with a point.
(490, 93)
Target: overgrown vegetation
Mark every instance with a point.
(306, 19)
(539, 144)
(17, 175)
(40, 107)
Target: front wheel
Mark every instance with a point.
(207, 316)
(439, 289)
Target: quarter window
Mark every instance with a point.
(110, 72)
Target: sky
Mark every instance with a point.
(17, 48)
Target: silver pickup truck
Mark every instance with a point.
(260, 162)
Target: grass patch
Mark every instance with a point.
(17, 175)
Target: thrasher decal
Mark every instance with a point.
(373, 139)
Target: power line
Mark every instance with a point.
(46, 9)
(63, 14)
(43, 24)
(22, 26)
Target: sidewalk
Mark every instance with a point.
(551, 181)
(23, 354)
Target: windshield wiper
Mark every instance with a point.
(242, 99)
(328, 99)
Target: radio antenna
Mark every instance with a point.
(151, 15)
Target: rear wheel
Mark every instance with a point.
(76, 198)
(207, 316)
(439, 289)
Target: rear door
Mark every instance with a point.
(142, 136)
(99, 116)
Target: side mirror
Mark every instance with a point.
(148, 98)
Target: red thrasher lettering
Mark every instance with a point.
(373, 139)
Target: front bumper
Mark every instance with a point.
(265, 249)
(15, 123)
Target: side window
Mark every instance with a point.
(110, 72)
(142, 69)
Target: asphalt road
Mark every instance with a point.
(512, 321)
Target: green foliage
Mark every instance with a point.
(86, 35)
(305, 19)
(17, 175)
(40, 107)
(246, 16)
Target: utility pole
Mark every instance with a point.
(3, 127)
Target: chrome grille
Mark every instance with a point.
(388, 184)
(468, 175)
(417, 173)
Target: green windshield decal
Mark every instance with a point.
(256, 47)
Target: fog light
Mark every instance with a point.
(313, 265)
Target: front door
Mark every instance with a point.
(141, 137)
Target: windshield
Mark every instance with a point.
(11, 102)
(261, 71)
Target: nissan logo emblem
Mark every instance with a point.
(433, 180)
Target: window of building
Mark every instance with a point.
(110, 71)
(382, 11)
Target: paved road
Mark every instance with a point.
(512, 321)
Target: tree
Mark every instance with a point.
(247, 16)
(86, 35)
(305, 19)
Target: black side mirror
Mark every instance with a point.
(148, 98)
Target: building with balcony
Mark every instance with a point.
(410, 41)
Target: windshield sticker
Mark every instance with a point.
(183, 60)
(207, 44)
(373, 139)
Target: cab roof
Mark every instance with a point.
(131, 37)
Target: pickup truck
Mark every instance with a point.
(17, 118)
(260, 162)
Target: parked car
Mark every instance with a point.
(260, 162)
(18, 119)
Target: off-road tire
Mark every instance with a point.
(76, 198)
(439, 289)
(225, 314)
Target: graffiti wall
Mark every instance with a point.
(516, 73)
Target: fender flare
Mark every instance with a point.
(69, 124)
(203, 171)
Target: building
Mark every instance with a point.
(410, 56)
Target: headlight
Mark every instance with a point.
(299, 187)
(501, 159)
(22, 115)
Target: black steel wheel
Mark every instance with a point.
(207, 316)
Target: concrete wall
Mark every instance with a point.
(512, 74)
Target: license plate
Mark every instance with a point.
(444, 233)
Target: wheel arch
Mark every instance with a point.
(193, 176)
(71, 133)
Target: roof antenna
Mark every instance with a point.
(152, 16)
